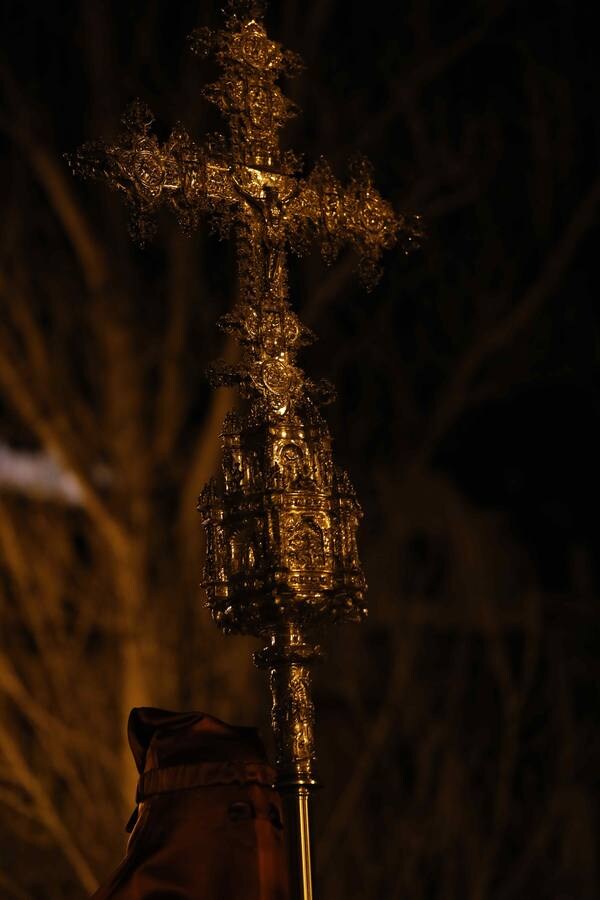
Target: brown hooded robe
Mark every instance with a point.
(208, 823)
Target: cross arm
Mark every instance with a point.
(179, 173)
(354, 214)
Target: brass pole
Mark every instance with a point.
(296, 809)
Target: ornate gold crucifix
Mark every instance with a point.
(281, 557)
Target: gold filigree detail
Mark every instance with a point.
(281, 524)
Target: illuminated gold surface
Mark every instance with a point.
(281, 522)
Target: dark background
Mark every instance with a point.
(458, 729)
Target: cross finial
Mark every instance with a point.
(247, 92)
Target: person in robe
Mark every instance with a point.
(208, 822)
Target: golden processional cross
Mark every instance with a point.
(281, 556)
